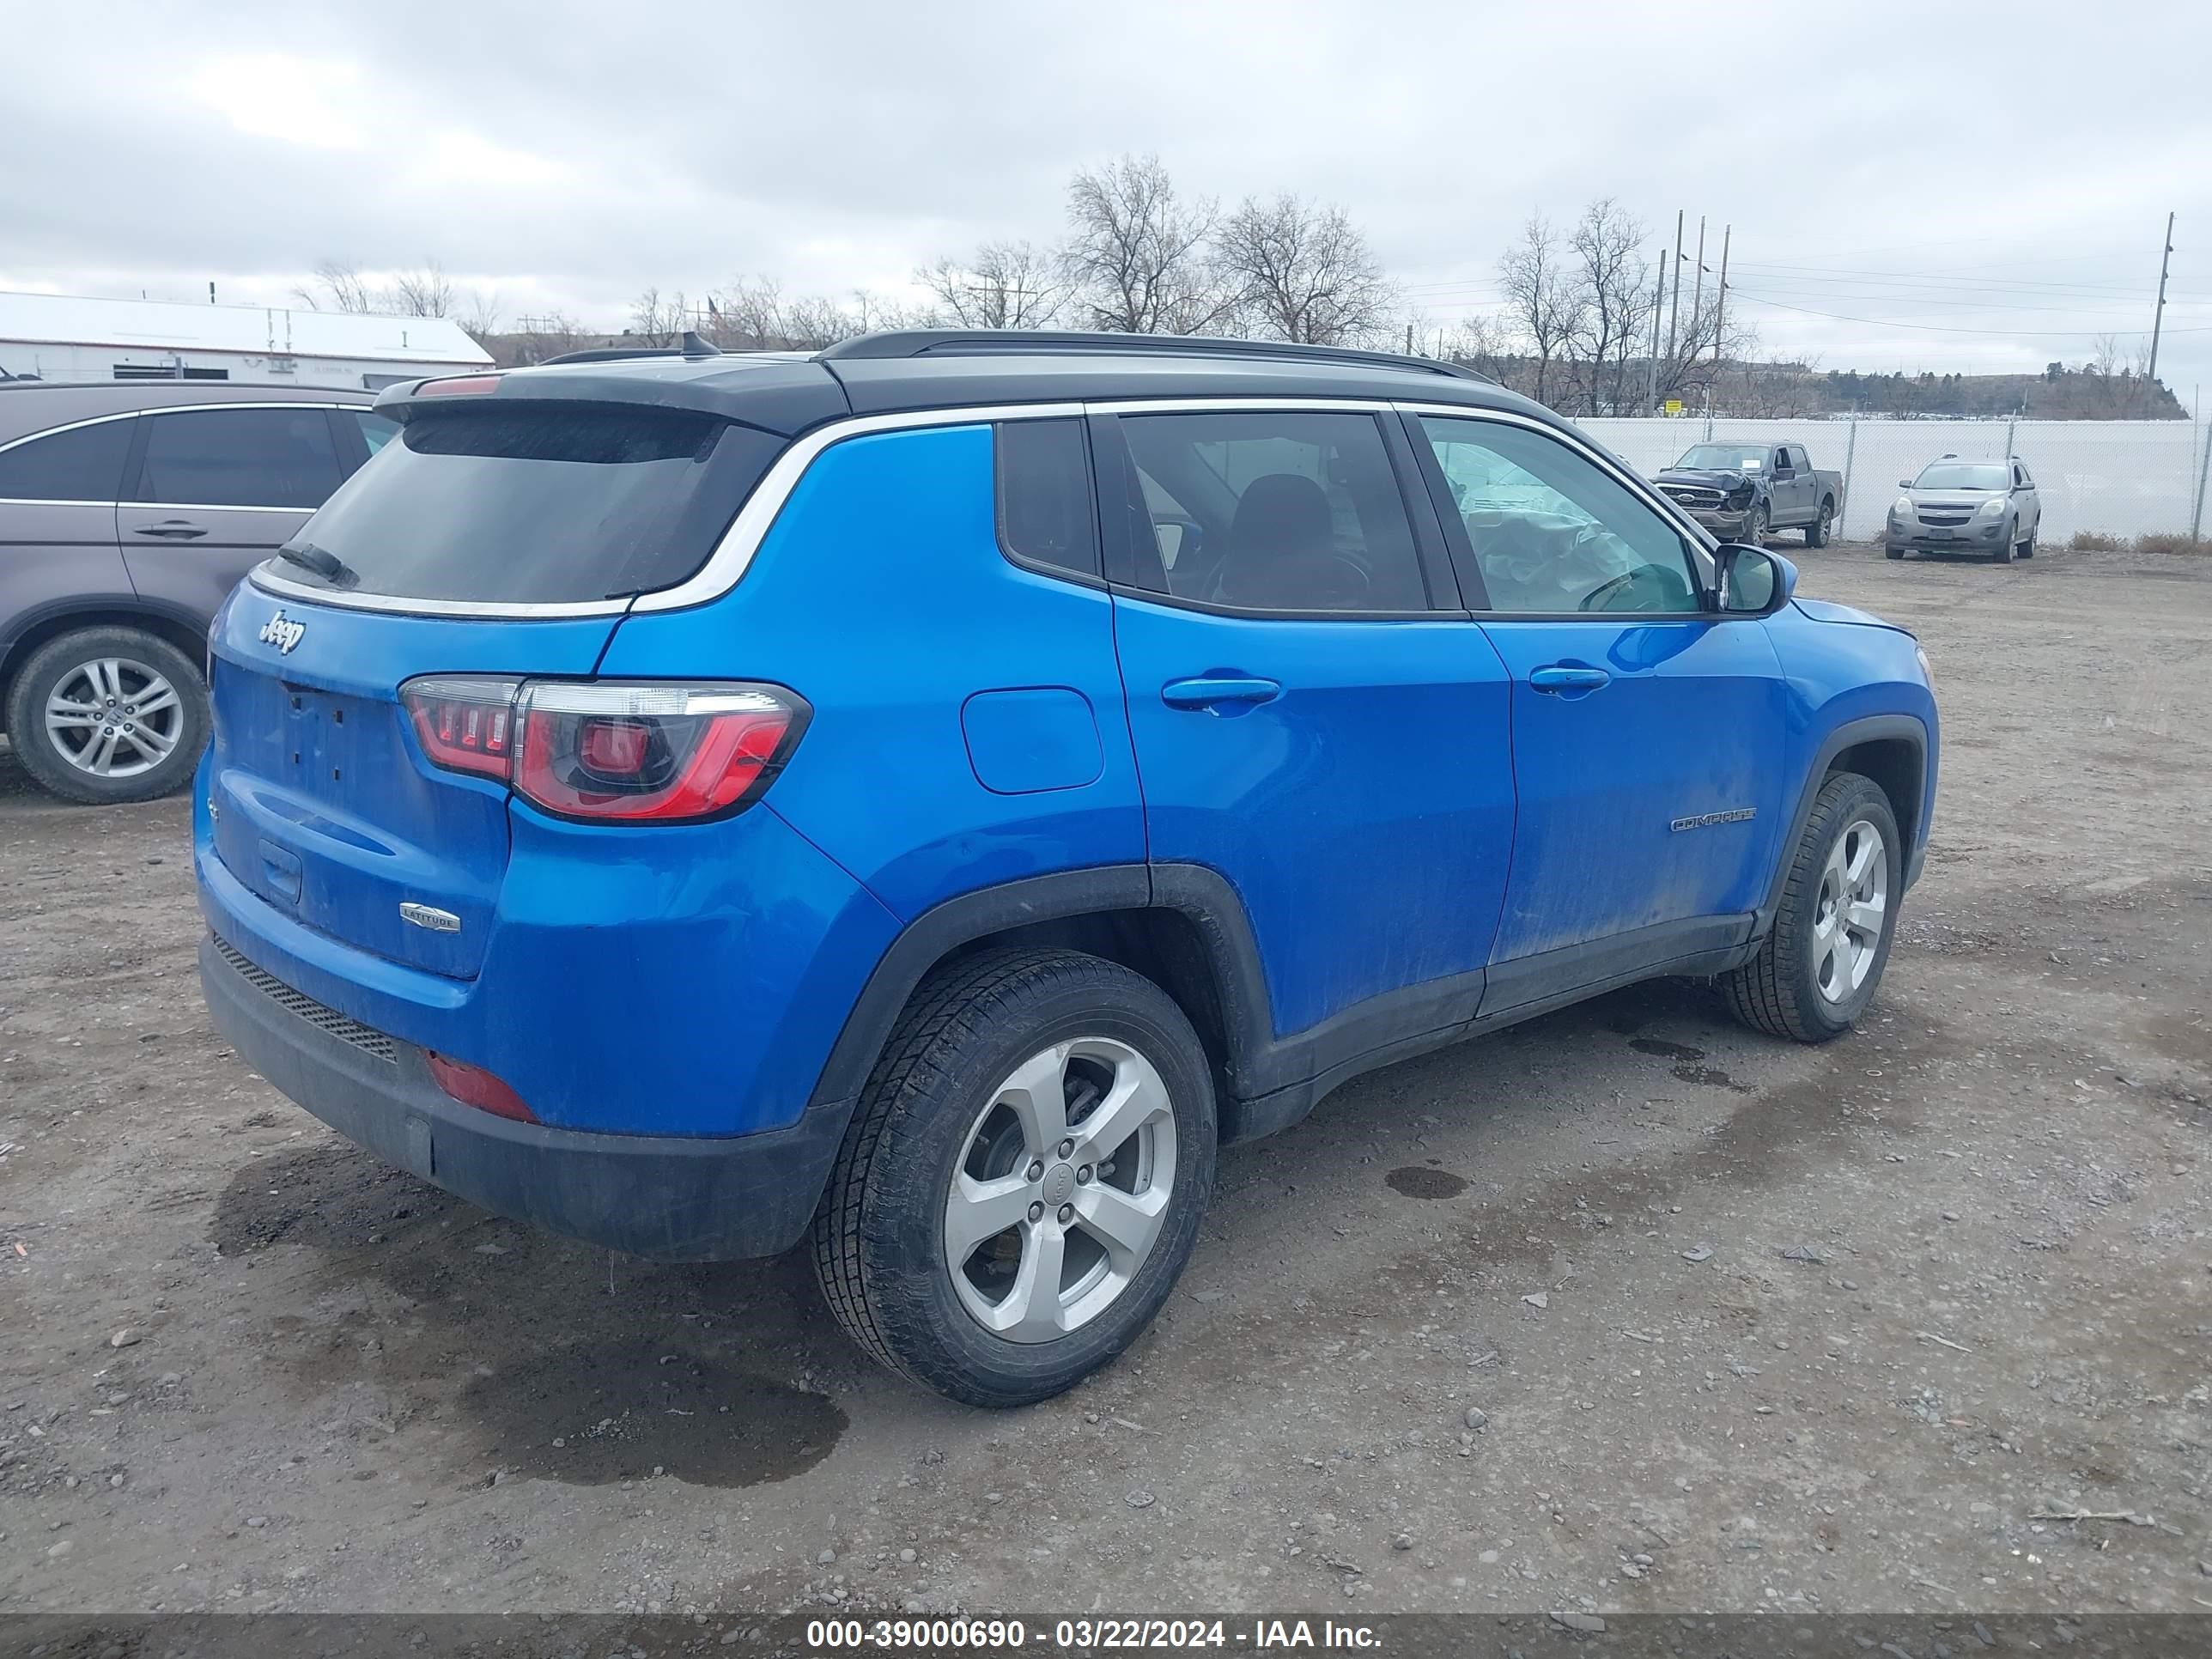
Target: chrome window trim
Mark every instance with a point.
(167, 409)
(725, 565)
(734, 553)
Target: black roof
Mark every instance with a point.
(921, 369)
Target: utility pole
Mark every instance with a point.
(1697, 293)
(1675, 310)
(2158, 317)
(1409, 339)
(1658, 305)
(1720, 304)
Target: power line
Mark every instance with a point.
(1940, 328)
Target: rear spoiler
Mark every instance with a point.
(779, 394)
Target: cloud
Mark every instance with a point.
(270, 94)
(563, 153)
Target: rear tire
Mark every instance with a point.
(1823, 958)
(107, 715)
(966, 1170)
(1816, 534)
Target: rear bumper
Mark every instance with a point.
(670, 1198)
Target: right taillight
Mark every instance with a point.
(611, 750)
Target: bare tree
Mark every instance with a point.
(426, 291)
(1138, 254)
(1304, 272)
(537, 338)
(338, 286)
(1611, 312)
(1002, 285)
(748, 313)
(655, 321)
(1483, 345)
(1541, 298)
(478, 314)
(814, 320)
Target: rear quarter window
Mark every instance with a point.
(83, 464)
(1046, 513)
(538, 503)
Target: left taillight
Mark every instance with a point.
(611, 750)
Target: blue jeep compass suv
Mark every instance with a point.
(926, 795)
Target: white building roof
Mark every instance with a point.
(161, 326)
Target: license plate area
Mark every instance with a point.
(323, 736)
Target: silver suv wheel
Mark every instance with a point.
(113, 717)
(1851, 911)
(1061, 1189)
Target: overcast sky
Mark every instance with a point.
(1981, 186)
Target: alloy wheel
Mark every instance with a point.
(1852, 911)
(113, 717)
(1061, 1189)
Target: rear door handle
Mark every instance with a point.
(1563, 676)
(1211, 690)
(179, 530)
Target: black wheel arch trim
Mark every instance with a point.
(1256, 1061)
(98, 611)
(1871, 728)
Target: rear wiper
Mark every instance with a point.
(320, 559)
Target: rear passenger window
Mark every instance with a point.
(239, 458)
(84, 463)
(1290, 511)
(1045, 514)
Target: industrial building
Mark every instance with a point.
(54, 337)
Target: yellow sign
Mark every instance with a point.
(1673, 405)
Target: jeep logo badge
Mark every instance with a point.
(283, 633)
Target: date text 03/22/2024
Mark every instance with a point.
(1087, 1635)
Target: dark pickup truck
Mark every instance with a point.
(1739, 491)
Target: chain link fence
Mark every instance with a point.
(2123, 478)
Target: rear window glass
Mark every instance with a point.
(537, 504)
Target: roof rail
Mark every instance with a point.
(990, 341)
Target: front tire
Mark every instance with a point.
(2026, 549)
(1892, 552)
(1754, 527)
(105, 715)
(1024, 1178)
(2003, 555)
(1824, 956)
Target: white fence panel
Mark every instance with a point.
(2121, 478)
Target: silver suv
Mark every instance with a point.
(127, 512)
(1967, 507)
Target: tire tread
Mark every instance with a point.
(1766, 994)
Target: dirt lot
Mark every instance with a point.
(1753, 1326)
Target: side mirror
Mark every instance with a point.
(1752, 582)
(1904, 484)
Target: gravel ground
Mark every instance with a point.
(1741, 1325)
